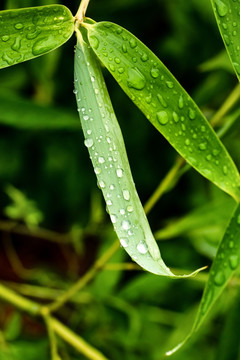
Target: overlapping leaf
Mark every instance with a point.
(165, 103)
(30, 32)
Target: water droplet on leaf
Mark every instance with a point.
(162, 117)
(136, 79)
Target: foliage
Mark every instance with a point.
(58, 247)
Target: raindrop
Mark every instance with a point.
(175, 117)
(124, 242)
(5, 38)
(117, 60)
(126, 195)
(113, 218)
(219, 278)
(121, 70)
(162, 117)
(97, 171)
(144, 57)
(142, 248)
(17, 44)
(191, 114)
(136, 79)
(225, 170)
(132, 43)
(119, 172)
(215, 152)
(111, 187)
(202, 146)
(169, 84)
(88, 142)
(221, 8)
(112, 67)
(162, 101)
(130, 208)
(109, 202)
(180, 102)
(187, 142)
(18, 26)
(155, 73)
(95, 42)
(233, 261)
(86, 117)
(124, 48)
(102, 184)
(101, 160)
(122, 211)
(7, 58)
(126, 225)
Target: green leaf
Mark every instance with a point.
(31, 32)
(223, 267)
(151, 86)
(105, 144)
(227, 16)
(21, 113)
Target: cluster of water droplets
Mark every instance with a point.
(31, 33)
(227, 13)
(113, 173)
(163, 101)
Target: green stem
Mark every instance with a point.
(52, 338)
(164, 184)
(76, 341)
(226, 106)
(85, 279)
(19, 301)
(82, 11)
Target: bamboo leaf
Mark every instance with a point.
(165, 103)
(223, 267)
(105, 144)
(30, 32)
(227, 16)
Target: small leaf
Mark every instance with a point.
(151, 86)
(30, 32)
(227, 16)
(105, 144)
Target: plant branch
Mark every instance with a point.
(82, 11)
(76, 341)
(85, 279)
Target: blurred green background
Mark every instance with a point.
(47, 182)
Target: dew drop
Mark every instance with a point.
(101, 160)
(88, 142)
(135, 79)
(162, 117)
(202, 146)
(129, 208)
(122, 211)
(155, 73)
(117, 60)
(191, 114)
(113, 218)
(124, 242)
(221, 8)
(85, 117)
(142, 248)
(180, 102)
(126, 195)
(95, 42)
(112, 187)
(126, 225)
(162, 101)
(43, 45)
(132, 43)
(233, 261)
(112, 67)
(144, 57)
(225, 170)
(97, 171)
(119, 173)
(17, 44)
(5, 38)
(109, 202)
(121, 70)
(102, 184)
(175, 117)
(18, 26)
(124, 48)
(187, 142)
(219, 278)
(169, 84)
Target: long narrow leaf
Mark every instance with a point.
(165, 103)
(30, 32)
(105, 144)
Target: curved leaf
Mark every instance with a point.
(105, 144)
(227, 16)
(165, 103)
(30, 32)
